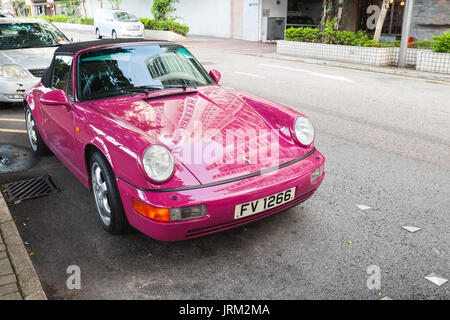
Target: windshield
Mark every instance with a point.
(125, 17)
(29, 35)
(115, 71)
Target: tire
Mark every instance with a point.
(114, 34)
(97, 34)
(37, 145)
(106, 195)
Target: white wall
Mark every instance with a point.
(250, 30)
(206, 17)
(140, 8)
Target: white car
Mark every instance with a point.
(26, 50)
(115, 24)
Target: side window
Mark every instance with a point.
(61, 72)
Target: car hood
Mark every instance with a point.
(212, 132)
(30, 58)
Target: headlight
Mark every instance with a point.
(303, 131)
(14, 71)
(158, 163)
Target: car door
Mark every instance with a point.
(59, 119)
(101, 23)
(109, 24)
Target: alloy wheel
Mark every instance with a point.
(100, 190)
(31, 130)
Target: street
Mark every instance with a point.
(386, 140)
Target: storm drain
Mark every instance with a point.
(29, 189)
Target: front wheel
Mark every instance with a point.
(107, 197)
(97, 34)
(38, 145)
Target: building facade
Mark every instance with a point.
(265, 20)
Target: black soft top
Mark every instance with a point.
(75, 47)
(78, 46)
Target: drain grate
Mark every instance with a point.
(28, 189)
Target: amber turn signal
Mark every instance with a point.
(153, 213)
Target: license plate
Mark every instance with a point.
(263, 204)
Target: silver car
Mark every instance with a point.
(26, 50)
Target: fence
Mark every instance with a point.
(422, 60)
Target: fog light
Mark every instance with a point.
(317, 173)
(187, 213)
(153, 213)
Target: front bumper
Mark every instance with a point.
(221, 200)
(13, 90)
(131, 34)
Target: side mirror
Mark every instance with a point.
(56, 98)
(215, 75)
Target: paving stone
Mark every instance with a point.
(10, 278)
(5, 267)
(3, 255)
(2, 247)
(12, 296)
(8, 288)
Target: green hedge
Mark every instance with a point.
(165, 25)
(66, 19)
(442, 43)
(349, 38)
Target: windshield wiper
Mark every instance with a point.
(144, 89)
(149, 88)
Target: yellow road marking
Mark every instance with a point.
(13, 130)
(12, 120)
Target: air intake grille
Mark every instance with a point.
(37, 72)
(28, 189)
(236, 223)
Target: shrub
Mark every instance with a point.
(66, 19)
(303, 34)
(423, 44)
(442, 43)
(165, 25)
(331, 36)
(162, 9)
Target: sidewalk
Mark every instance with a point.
(18, 279)
(268, 50)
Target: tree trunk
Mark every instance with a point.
(380, 22)
(84, 8)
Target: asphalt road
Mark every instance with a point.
(387, 144)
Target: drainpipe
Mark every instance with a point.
(406, 26)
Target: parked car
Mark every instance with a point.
(4, 14)
(146, 128)
(109, 23)
(26, 50)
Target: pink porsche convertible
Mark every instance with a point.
(163, 147)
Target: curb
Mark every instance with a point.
(28, 280)
(386, 70)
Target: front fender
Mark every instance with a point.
(123, 146)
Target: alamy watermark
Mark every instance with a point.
(74, 279)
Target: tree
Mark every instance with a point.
(115, 3)
(84, 8)
(380, 22)
(162, 9)
(332, 9)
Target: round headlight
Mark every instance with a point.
(158, 163)
(14, 71)
(304, 131)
